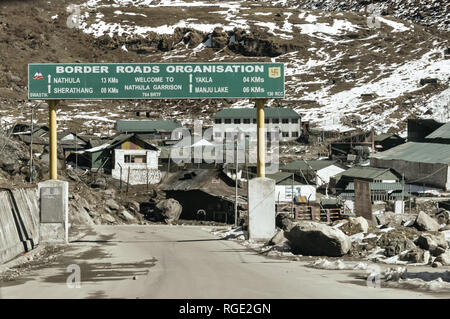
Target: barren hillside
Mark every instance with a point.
(342, 70)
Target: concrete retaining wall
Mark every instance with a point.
(19, 222)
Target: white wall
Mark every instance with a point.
(326, 173)
(139, 172)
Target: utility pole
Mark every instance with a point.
(292, 187)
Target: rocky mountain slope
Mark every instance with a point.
(345, 68)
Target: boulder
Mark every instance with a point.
(127, 216)
(360, 224)
(111, 204)
(444, 258)
(169, 210)
(391, 219)
(416, 256)
(278, 238)
(133, 206)
(442, 216)
(108, 218)
(426, 223)
(396, 246)
(435, 243)
(316, 239)
(284, 221)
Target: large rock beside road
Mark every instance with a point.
(278, 238)
(435, 243)
(416, 256)
(284, 221)
(396, 246)
(111, 204)
(444, 258)
(426, 223)
(127, 216)
(391, 219)
(355, 226)
(316, 239)
(169, 210)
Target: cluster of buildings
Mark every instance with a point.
(396, 168)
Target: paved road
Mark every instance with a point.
(183, 262)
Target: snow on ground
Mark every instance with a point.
(426, 281)
(323, 263)
(326, 40)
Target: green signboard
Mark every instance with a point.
(155, 81)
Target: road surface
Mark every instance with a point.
(183, 262)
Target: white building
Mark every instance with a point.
(286, 184)
(318, 171)
(136, 162)
(283, 120)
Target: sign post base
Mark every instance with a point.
(261, 208)
(54, 212)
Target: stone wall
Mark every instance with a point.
(19, 222)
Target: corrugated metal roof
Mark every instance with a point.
(364, 172)
(269, 112)
(300, 165)
(442, 132)
(211, 181)
(378, 187)
(283, 178)
(132, 126)
(418, 152)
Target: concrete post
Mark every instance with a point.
(54, 212)
(261, 208)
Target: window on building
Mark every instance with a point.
(254, 121)
(218, 121)
(294, 134)
(285, 134)
(227, 121)
(246, 121)
(294, 121)
(135, 159)
(285, 121)
(275, 121)
(266, 121)
(237, 121)
(218, 134)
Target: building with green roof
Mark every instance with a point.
(317, 171)
(284, 121)
(151, 129)
(420, 163)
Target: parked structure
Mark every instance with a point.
(318, 172)
(283, 120)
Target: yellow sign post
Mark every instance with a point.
(52, 105)
(261, 138)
